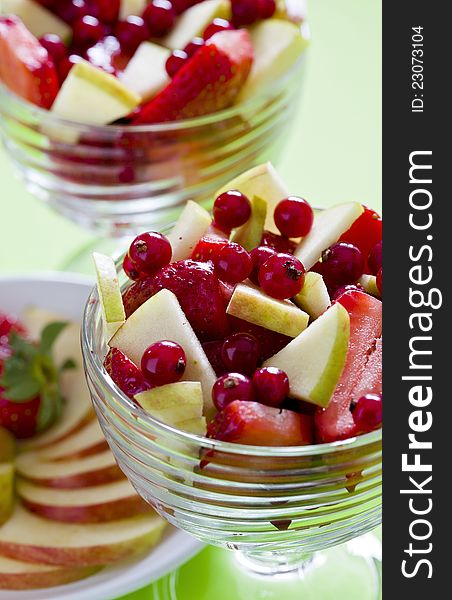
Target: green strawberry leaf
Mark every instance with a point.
(50, 334)
(23, 391)
(68, 365)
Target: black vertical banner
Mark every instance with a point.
(417, 498)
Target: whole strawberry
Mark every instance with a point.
(30, 396)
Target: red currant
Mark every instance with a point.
(230, 387)
(294, 217)
(376, 258)
(341, 264)
(71, 10)
(150, 251)
(278, 242)
(271, 386)
(281, 276)
(54, 46)
(163, 362)
(193, 46)
(107, 11)
(233, 263)
(244, 12)
(159, 16)
(175, 61)
(130, 270)
(368, 413)
(65, 65)
(240, 352)
(267, 8)
(380, 280)
(231, 209)
(258, 256)
(87, 31)
(216, 26)
(131, 33)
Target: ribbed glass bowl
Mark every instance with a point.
(276, 505)
(118, 180)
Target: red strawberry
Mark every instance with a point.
(125, 373)
(30, 398)
(208, 82)
(9, 325)
(336, 421)
(198, 290)
(25, 66)
(278, 242)
(365, 232)
(270, 342)
(209, 247)
(255, 424)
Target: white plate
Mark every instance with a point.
(66, 294)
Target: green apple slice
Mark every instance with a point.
(314, 297)
(194, 20)
(174, 402)
(253, 305)
(145, 81)
(192, 224)
(196, 426)
(131, 7)
(109, 294)
(92, 96)
(36, 18)
(249, 235)
(369, 283)
(262, 181)
(314, 360)
(327, 228)
(162, 318)
(271, 60)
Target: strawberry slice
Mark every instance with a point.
(336, 421)
(254, 424)
(25, 66)
(208, 82)
(125, 373)
(209, 247)
(198, 290)
(365, 232)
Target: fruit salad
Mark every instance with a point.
(259, 325)
(138, 62)
(66, 509)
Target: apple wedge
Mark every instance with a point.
(314, 360)
(113, 312)
(161, 318)
(369, 283)
(251, 304)
(36, 18)
(31, 538)
(194, 20)
(82, 472)
(90, 95)
(273, 60)
(129, 8)
(172, 403)
(19, 575)
(250, 234)
(314, 297)
(97, 504)
(327, 228)
(192, 224)
(262, 181)
(86, 441)
(145, 81)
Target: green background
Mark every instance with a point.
(333, 155)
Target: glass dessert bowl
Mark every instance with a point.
(278, 506)
(118, 178)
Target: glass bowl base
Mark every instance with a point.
(351, 571)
